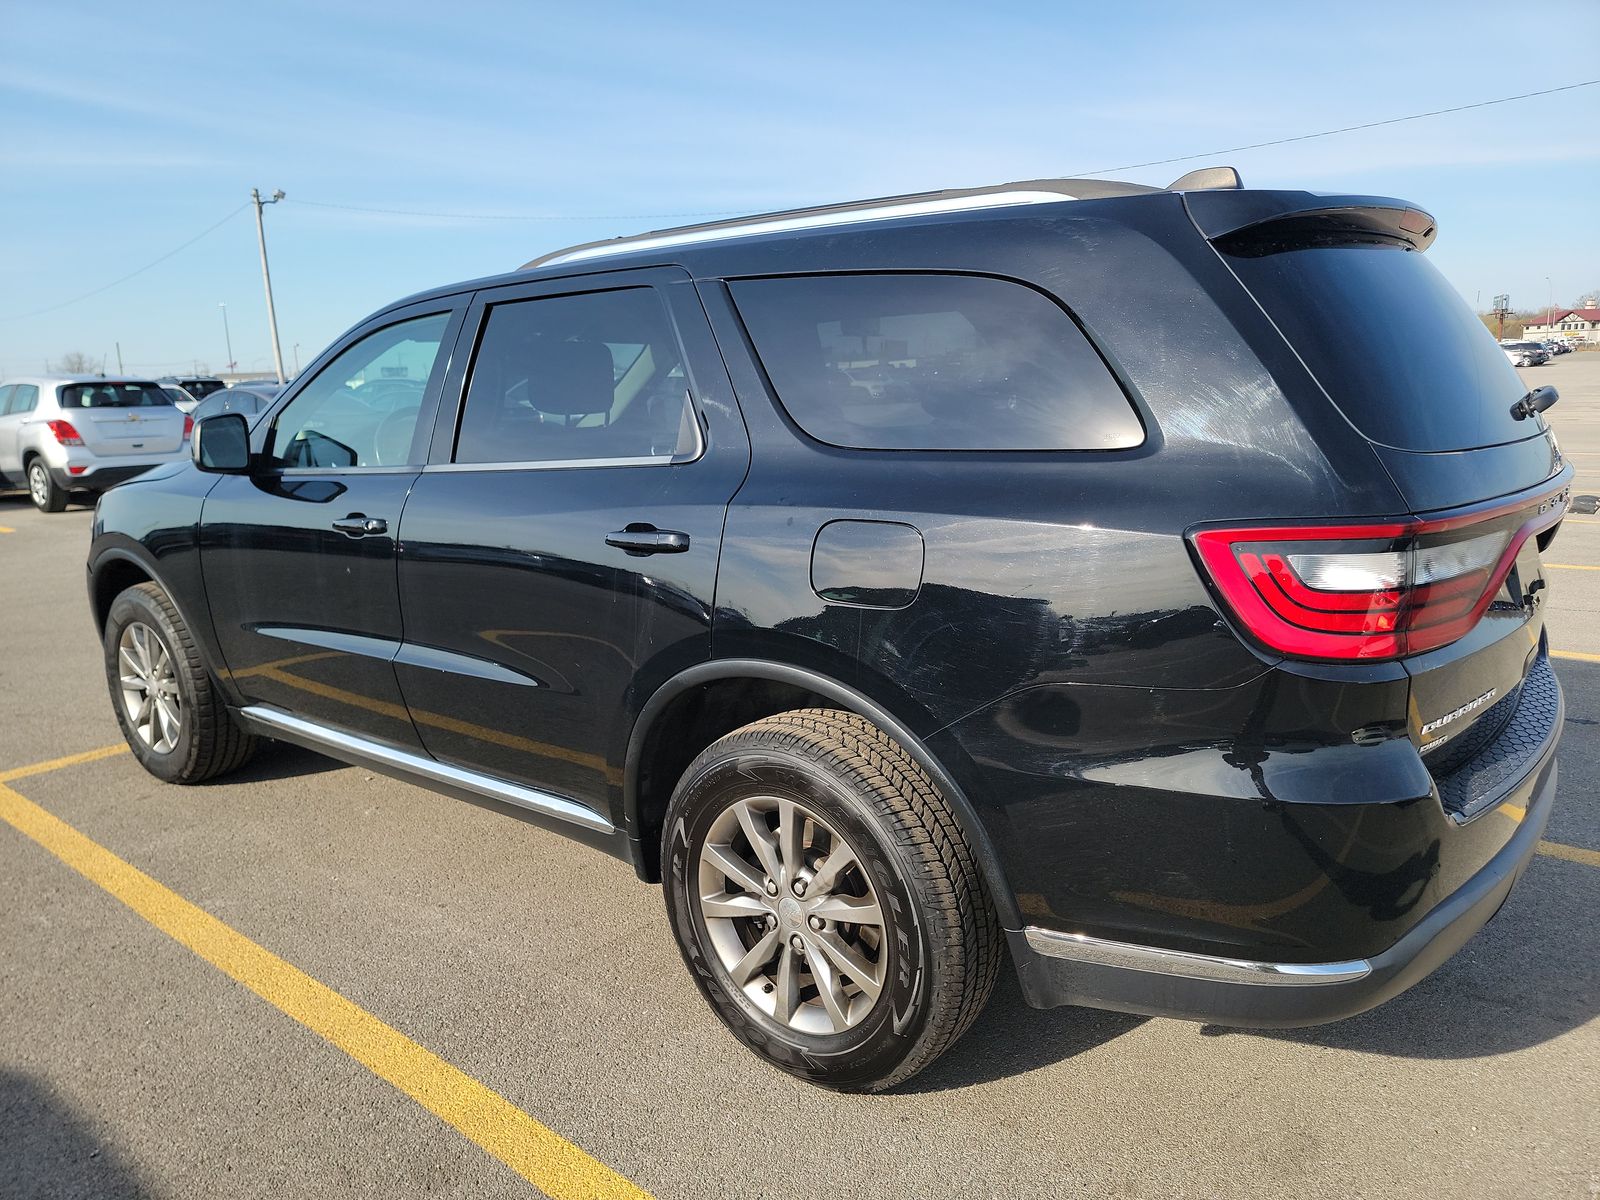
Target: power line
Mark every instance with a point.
(409, 212)
(1306, 137)
(140, 271)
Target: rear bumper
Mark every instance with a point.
(1059, 968)
(96, 478)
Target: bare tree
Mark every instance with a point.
(76, 362)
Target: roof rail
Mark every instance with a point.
(1005, 195)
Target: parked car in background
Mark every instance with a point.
(1061, 573)
(1526, 354)
(198, 386)
(182, 398)
(245, 398)
(66, 435)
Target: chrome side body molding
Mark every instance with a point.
(351, 748)
(1098, 951)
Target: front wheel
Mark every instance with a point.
(174, 719)
(826, 900)
(42, 490)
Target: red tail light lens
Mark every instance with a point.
(65, 433)
(188, 426)
(1369, 591)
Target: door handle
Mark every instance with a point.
(359, 525)
(639, 540)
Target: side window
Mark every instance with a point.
(25, 399)
(933, 362)
(5, 399)
(573, 378)
(361, 409)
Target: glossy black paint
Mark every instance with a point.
(1031, 624)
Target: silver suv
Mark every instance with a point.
(66, 434)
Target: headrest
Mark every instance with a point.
(569, 378)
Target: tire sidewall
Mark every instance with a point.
(52, 500)
(137, 606)
(870, 1051)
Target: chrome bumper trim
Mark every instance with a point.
(1099, 952)
(348, 746)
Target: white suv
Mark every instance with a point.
(65, 434)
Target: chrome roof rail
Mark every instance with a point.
(1006, 195)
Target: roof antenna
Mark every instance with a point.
(1207, 179)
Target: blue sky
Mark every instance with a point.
(127, 129)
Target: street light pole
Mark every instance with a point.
(266, 275)
(228, 337)
(1550, 317)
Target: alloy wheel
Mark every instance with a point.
(39, 484)
(792, 915)
(150, 696)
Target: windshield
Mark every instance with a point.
(114, 395)
(201, 388)
(1388, 338)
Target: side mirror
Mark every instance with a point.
(221, 444)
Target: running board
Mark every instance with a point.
(350, 748)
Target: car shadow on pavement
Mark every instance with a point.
(1009, 1038)
(47, 1149)
(275, 761)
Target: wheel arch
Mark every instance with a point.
(117, 567)
(643, 831)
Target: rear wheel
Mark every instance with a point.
(42, 490)
(171, 713)
(826, 900)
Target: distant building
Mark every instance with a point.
(1580, 325)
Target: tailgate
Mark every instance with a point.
(119, 418)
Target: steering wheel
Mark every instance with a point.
(391, 443)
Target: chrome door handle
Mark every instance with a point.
(639, 540)
(358, 525)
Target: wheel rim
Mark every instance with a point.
(792, 915)
(38, 485)
(149, 679)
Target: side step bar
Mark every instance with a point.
(406, 765)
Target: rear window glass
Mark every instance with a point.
(114, 395)
(1394, 346)
(201, 388)
(933, 362)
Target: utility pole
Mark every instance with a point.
(266, 275)
(1550, 317)
(1502, 308)
(297, 360)
(119, 358)
(227, 337)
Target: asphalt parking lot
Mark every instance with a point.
(536, 1003)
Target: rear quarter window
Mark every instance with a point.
(932, 362)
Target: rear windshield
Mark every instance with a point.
(1390, 341)
(201, 388)
(114, 395)
(933, 362)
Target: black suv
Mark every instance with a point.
(1150, 576)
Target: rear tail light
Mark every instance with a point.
(65, 433)
(1369, 591)
(188, 426)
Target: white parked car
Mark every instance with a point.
(66, 434)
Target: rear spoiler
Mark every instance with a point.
(1225, 214)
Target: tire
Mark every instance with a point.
(204, 740)
(42, 490)
(933, 954)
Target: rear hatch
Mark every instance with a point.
(120, 419)
(1394, 348)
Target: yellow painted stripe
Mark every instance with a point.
(6, 529)
(1577, 655)
(541, 1156)
(1567, 567)
(1577, 854)
(71, 760)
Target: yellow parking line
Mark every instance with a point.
(1577, 854)
(1568, 567)
(6, 529)
(541, 1156)
(55, 764)
(1578, 655)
